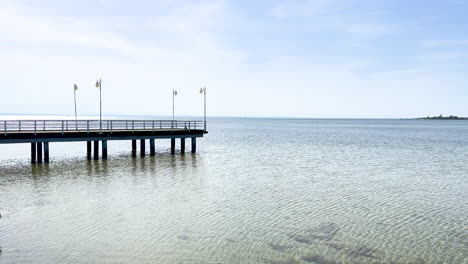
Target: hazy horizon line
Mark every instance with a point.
(220, 116)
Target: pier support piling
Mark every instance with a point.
(172, 145)
(152, 149)
(182, 145)
(46, 152)
(142, 147)
(88, 150)
(194, 144)
(39, 152)
(33, 153)
(104, 149)
(96, 150)
(133, 147)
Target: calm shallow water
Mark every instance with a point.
(257, 191)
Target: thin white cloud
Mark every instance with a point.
(186, 46)
(444, 43)
(448, 55)
(331, 15)
(304, 8)
(187, 24)
(22, 28)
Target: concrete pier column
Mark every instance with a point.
(96, 149)
(104, 149)
(194, 144)
(182, 145)
(142, 147)
(152, 149)
(33, 153)
(172, 145)
(88, 150)
(39, 152)
(46, 152)
(133, 148)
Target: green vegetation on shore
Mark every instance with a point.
(441, 117)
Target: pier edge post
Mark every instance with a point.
(46, 152)
(133, 147)
(152, 149)
(142, 147)
(182, 145)
(194, 144)
(172, 145)
(96, 150)
(104, 149)
(33, 153)
(39, 152)
(88, 150)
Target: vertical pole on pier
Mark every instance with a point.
(33, 153)
(194, 144)
(96, 149)
(172, 145)
(152, 150)
(88, 150)
(133, 147)
(142, 147)
(39, 152)
(46, 152)
(104, 149)
(182, 145)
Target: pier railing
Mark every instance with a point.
(38, 126)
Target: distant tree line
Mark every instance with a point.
(441, 117)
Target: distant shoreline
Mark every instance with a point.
(443, 118)
(111, 116)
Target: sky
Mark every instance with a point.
(264, 58)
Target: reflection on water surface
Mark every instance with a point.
(258, 191)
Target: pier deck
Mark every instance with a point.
(40, 132)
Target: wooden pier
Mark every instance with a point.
(39, 133)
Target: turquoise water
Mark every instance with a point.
(257, 191)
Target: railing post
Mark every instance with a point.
(19, 126)
(35, 127)
(87, 126)
(153, 125)
(126, 125)
(144, 125)
(160, 124)
(111, 126)
(5, 127)
(62, 127)
(133, 126)
(66, 125)
(44, 125)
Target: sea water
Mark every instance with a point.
(257, 191)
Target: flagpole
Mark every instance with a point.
(173, 96)
(203, 91)
(204, 103)
(76, 116)
(100, 107)
(98, 85)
